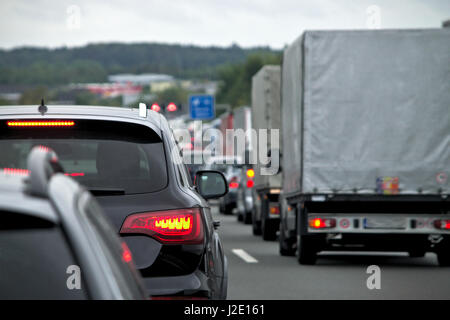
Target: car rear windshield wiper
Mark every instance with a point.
(106, 191)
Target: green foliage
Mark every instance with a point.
(89, 99)
(236, 80)
(92, 63)
(174, 94)
(34, 95)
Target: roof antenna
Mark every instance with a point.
(42, 108)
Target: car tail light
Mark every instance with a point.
(250, 173)
(250, 183)
(16, 172)
(233, 183)
(322, 223)
(172, 107)
(183, 226)
(442, 224)
(48, 123)
(155, 107)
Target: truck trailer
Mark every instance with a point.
(266, 115)
(366, 139)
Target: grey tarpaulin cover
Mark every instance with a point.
(362, 105)
(266, 114)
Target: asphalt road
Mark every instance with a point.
(335, 276)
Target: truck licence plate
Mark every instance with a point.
(384, 223)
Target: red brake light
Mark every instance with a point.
(320, 223)
(155, 107)
(171, 226)
(16, 172)
(250, 173)
(442, 224)
(171, 107)
(233, 185)
(48, 123)
(250, 183)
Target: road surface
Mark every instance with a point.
(257, 271)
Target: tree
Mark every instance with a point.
(236, 80)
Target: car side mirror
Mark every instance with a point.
(211, 184)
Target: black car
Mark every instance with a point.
(128, 159)
(55, 242)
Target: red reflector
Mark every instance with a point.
(319, 223)
(126, 253)
(250, 173)
(442, 224)
(171, 226)
(250, 183)
(234, 185)
(40, 123)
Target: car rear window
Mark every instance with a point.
(108, 157)
(34, 258)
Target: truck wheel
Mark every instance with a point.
(443, 258)
(306, 250)
(240, 218)
(269, 231)
(286, 247)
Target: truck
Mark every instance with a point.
(366, 140)
(266, 114)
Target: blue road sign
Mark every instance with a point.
(201, 107)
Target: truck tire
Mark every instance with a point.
(240, 217)
(269, 231)
(443, 258)
(256, 227)
(306, 250)
(228, 210)
(286, 247)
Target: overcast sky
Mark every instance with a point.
(56, 23)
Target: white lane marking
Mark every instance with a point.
(244, 256)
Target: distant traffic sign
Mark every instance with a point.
(201, 107)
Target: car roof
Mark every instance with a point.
(152, 119)
(13, 198)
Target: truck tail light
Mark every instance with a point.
(180, 226)
(322, 223)
(47, 123)
(250, 173)
(250, 184)
(442, 224)
(274, 210)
